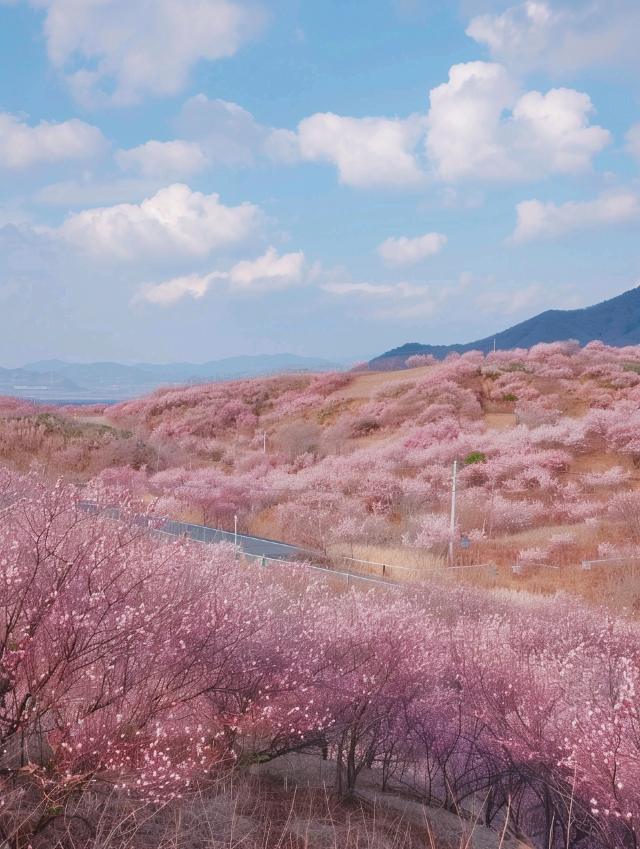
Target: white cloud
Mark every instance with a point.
(561, 37)
(554, 131)
(538, 220)
(368, 152)
(87, 190)
(392, 302)
(464, 122)
(400, 290)
(470, 137)
(224, 131)
(633, 141)
(479, 127)
(171, 160)
(404, 251)
(127, 49)
(520, 32)
(268, 273)
(356, 289)
(173, 290)
(22, 146)
(175, 222)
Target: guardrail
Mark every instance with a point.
(586, 564)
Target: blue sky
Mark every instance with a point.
(195, 179)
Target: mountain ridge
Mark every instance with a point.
(615, 322)
(116, 381)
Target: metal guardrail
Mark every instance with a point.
(260, 546)
(518, 567)
(586, 564)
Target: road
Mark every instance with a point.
(256, 546)
(270, 549)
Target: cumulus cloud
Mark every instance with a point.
(171, 291)
(212, 131)
(561, 36)
(117, 51)
(368, 152)
(470, 136)
(175, 222)
(404, 251)
(224, 131)
(267, 273)
(22, 146)
(633, 141)
(173, 159)
(479, 127)
(538, 220)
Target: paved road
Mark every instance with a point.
(258, 546)
(253, 546)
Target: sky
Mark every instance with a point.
(197, 179)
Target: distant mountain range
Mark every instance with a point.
(615, 322)
(59, 380)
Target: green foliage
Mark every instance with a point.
(509, 397)
(475, 457)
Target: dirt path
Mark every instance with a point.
(364, 384)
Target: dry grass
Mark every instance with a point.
(364, 384)
(436, 826)
(489, 565)
(400, 564)
(242, 812)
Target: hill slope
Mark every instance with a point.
(615, 322)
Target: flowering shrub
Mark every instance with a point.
(293, 456)
(150, 666)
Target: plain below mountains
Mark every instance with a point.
(615, 322)
(58, 380)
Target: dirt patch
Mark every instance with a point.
(498, 421)
(364, 384)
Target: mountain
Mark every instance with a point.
(242, 365)
(615, 322)
(106, 372)
(18, 380)
(108, 381)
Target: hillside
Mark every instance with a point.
(615, 322)
(175, 686)
(359, 465)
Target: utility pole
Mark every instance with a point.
(453, 510)
(235, 531)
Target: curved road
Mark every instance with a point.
(257, 546)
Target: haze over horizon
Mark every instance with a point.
(223, 177)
